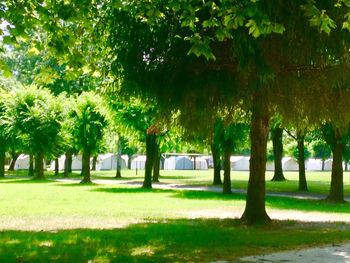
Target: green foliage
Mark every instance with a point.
(88, 120)
(35, 116)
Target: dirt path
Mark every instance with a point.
(327, 254)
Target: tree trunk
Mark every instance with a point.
(227, 167)
(57, 168)
(323, 161)
(39, 166)
(150, 141)
(68, 164)
(129, 161)
(31, 165)
(336, 193)
(301, 163)
(13, 161)
(94, 162)
(118, 173)
(69, 156)
(277, 136)
(156, 163)
(86, 168)
(255, 212)
(2, 163)
(346, 168)
(215, 150)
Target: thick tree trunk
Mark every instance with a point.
(13, 161)
(255, 212)
(57, 168)
(2, 163)
(226, 187)
(68, 164)
(336, 193)
(277, 136)
(156, 163)
(118, 173)
(86, 168)
(94, 162)
(150, 142)
(39, 166)
(215, 150)
(31, 165)
(301, 163)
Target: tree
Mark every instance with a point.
(36, 115)
(215, 150)
(336, 138)
(320, 149)
(149, 46)
(276, 134)
(88, 120)
(3, 130)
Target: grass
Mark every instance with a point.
(200, 240)
(46, 220)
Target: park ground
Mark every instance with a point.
(183, 219)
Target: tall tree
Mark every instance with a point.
(36, 115)
(88, 120)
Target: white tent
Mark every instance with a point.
(239, 163)
(178, 163)
(201, 163)
(270, 166)
(328, 165)
(209, 160)
(289, 164)
(314, 164)
(22, 162)
(77, 162)
(108, 161)
(138, 163)
(60, 163)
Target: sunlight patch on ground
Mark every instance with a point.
(143, 251)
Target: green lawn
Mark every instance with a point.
(47, 220)
(318, 182)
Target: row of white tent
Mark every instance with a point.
(238, 163)
(109, 162)
(241, 163)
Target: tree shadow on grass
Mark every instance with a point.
(278, 202)
(199, 240)
(131, 190)
(29, 180)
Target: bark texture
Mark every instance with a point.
(150, 142)
(94, 162)
(14, 157)
(31, 165)
(67, 164)
(301, 163)
(156, 163)
(57, 168)
(336, 193)
(255, 212)
(86, 168)
(215, 150)
(226, 189)
(39, 166)
(118, 173)
(277, 136)
(2, 163)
